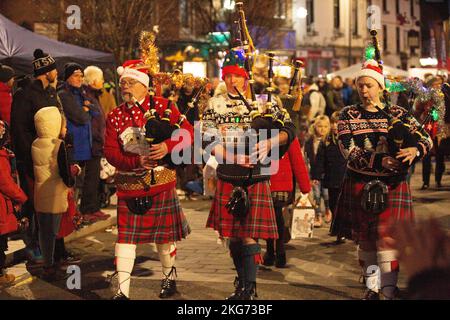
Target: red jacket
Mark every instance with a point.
(291, 162)
(122, 118)
(9, 192)
(5, 102)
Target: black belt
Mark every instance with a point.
(391, 181)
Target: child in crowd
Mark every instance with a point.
(319, 131)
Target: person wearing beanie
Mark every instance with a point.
(28, 99)
(6, 83)
(145, 213)
(227, 114)
(81, 111)
(364, 140)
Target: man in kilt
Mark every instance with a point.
(224, 121)
(364, 142)
(148, 210)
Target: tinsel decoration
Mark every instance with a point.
(149, 51)
(370, 52)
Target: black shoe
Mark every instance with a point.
(268, 259)
(371, 295)
(280, 261)
(52, 274)
(340, 240)
(168, 286)
(249, 292)
(239, 286)
(120, 296)
(424, 186)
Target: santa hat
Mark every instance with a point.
(234, 63)
(372, 69)
(134, 69)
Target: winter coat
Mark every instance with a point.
(107, 101)
(291, 162)
(10, 192)
(50, 192)
(78, 121)
(26, 102)
(98, 122)
(5, 102)
(330, 164)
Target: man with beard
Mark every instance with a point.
(38, 94)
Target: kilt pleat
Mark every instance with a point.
(260, 222)
(352, 222)
(165, 222)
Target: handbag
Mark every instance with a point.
(139, 205)
(374, 197)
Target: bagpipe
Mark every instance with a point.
(399, 135)
(159, 128)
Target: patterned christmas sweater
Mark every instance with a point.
(363, 138)
(125, 143)
(226, 120)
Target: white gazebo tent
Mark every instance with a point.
(350, 72)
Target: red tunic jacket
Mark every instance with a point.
(291, 162)
(9, 192)
(124, 117)
(5, 103)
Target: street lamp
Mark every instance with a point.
(229, 4)
(302, 13)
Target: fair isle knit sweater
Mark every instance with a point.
(363, 138)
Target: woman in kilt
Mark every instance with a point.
(363, 140)
(148, 210)
(224, 122)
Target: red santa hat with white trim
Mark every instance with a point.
(134, 69)
(372, 69)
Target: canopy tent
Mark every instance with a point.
(350, 72)
(17, 45)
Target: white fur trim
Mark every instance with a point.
(136, 75)
(372, 74)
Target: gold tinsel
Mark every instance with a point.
(149, 51)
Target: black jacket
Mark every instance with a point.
(26, 102)
(98, 122)
(330, 164)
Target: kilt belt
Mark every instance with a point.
(142, 181)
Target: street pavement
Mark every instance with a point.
(317, 268)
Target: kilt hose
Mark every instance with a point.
(260, 222)
(352, 222)
(165, 222)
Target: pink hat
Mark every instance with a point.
(371, 69)
(134, 69)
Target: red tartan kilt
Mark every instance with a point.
(260, 222)
(163, 223)
(351, 221)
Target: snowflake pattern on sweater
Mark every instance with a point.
(363, 137)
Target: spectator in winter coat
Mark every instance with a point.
(93, 76)
(11, 196)
(313, 101)
(50, 189)
(6, 83)
(330, 165)
(80, 112)
(334, 96)
(31, 96)
(283, 193)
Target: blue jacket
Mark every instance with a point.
(78, 121)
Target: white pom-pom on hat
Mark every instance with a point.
(120, 70)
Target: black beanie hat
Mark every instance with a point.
(42, 63)
(6, 73)
(70, 68)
